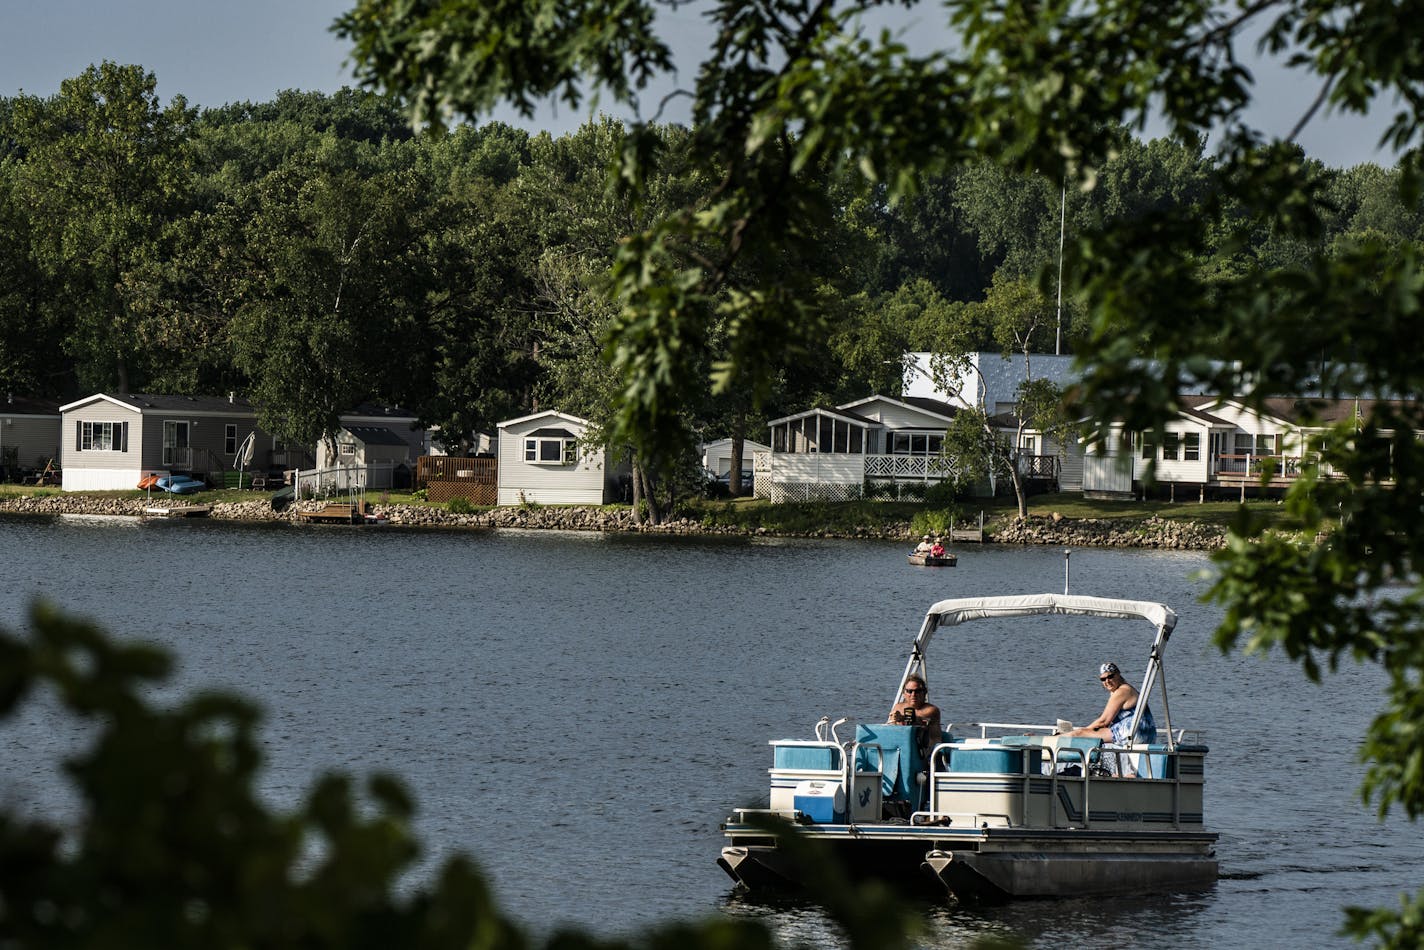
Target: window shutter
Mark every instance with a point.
(78, 436)
(124, 437)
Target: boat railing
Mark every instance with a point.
(1066, 767)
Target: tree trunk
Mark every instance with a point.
(649, 494)
(739, 432)
(637, 493)
(1016, 477)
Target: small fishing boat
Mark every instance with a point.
(946, 559)
(180, 484)
(990, 811)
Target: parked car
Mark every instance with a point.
(725, 479)
(720, 486)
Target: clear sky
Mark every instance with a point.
(218, 51)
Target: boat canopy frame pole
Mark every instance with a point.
(1162, 618)
(916, 664)
(1155, 670)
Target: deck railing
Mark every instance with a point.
(929, 467)
(1039, 466)
(326, 482)
(1254, 466)
(446, 478)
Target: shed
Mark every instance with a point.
(717, 455)
(365, 445)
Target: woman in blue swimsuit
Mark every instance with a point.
(1115, 723)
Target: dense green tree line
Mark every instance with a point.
(312, 252)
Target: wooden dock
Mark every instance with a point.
(331, 514)
(340, 513)
(975, 535)
(177, 511)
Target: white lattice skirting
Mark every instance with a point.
(813, 491)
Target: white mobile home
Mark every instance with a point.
(542, 461)
(831, 454)
(112, 441)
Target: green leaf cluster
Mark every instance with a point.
(175, 847)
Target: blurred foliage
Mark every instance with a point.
(174, 847)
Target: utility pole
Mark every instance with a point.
(1062, 218)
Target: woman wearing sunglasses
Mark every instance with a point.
(1115, 722)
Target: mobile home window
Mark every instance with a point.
(1149, 450)
(909, 443)
(1170, 441)
(550, 450)
(1191, 447)
(230, 439)
(102, 436)
(1262, 444)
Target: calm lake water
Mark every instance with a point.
(580, 711)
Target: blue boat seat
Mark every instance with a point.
(1085, 749)
(791, 754)
(1156, 763)
(1005, 760)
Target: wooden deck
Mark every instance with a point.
(446, 478)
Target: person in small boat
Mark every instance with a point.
(937, 549)
(1115, 723)
(924, 546)
(915, 709)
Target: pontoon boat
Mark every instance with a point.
(993, 810)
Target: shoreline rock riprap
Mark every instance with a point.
(1152, 532)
